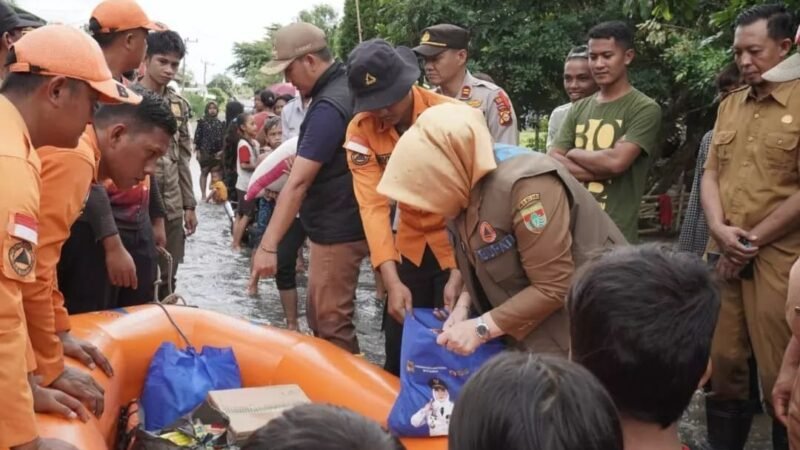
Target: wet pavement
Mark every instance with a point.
(215, 277)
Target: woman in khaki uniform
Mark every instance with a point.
(520, 227)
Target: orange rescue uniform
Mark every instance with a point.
(19, 209)
(369, 145)
(66, 176)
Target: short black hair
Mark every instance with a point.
(165, 42)
(285, 97)
(271, 123)
(267, 98)
(520, 400)
(25, 82)
(153, 111)
(614, 29)
(321, 427)
(325, 54)
(729, 77)
(578, 52)
(780, 23)
(641, 320)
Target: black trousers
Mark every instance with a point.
(286, 277)
(83, 275)
(426, 284)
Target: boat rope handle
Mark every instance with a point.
(177, 328)
(168, 257)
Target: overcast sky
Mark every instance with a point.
(216, 25)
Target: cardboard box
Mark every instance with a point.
(248, 409)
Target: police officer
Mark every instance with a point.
(165, 50)
(416, 264)
(52, 108)
(521, 227)
(445, 50)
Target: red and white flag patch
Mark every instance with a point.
(25, 227)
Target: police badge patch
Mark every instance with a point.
(503, 105)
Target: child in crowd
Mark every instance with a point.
(264, 206)
(321, 427)
(281, 102)
(641, 320)
(218, 192)
(243, 127)
(522, 401)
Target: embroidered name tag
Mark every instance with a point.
(492, 251)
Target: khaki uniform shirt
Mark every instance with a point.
(529, 224)
(495, 105)
(172, 172)
(755, 153)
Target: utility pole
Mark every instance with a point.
(186, 42)
(205, 69)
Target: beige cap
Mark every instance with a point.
(291, 42)
(786, 70)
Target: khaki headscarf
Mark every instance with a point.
(438, 161)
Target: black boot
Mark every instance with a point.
(728, 423)
(780, 439)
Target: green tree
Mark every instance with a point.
(223, 82)
(250, 57)
(323, 16)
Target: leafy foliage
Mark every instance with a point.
(250, 57)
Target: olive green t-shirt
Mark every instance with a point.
(591, 126)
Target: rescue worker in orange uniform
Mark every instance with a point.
(50, 107)
(521, 225)
(130, 138)
(417, 267)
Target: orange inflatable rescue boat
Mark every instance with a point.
(266, 355)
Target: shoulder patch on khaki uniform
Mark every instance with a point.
(503, 105)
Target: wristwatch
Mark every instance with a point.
(482, 329)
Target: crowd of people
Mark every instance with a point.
(605, 352)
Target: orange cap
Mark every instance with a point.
(60, 50)
(121, 15)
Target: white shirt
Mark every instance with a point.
(292, 117)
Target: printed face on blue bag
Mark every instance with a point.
(432, 377)
(436, 413)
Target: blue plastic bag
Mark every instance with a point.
(431, 377)
(179, 380)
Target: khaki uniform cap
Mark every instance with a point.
(61, 50)
(291, 42)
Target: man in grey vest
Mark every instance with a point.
(320, 186)
(521, 227)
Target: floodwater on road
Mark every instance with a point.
(215, 277)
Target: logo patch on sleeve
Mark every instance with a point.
(21, 258)
(359, 159)
(534, 217)
(503, 105)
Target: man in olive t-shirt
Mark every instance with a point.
(609, 140)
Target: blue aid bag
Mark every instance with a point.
(178, 381)
(431, 377)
